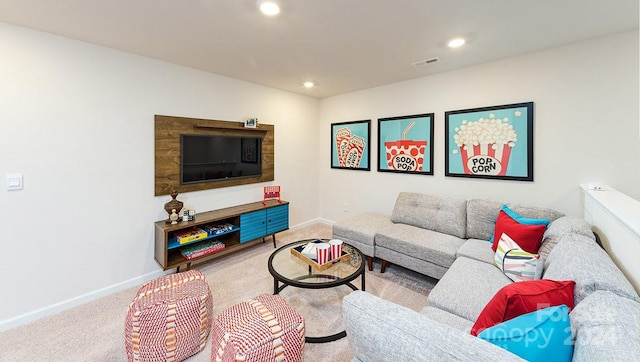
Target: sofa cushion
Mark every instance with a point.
(423, 244)
(446, 215)
(467, 287)
(447, 318)
(525, 297)
(360, 230)
(562, 226)
(362, 227)
(578, 258)
(482, 215)
(516, 263)
(477, 249)
(606, 327)
(534, 212)
(481, 218)
(379, 330)
(542, 335)
(529, 237)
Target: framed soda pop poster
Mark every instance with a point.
(405, 144)
(350, 145)
(491, 142)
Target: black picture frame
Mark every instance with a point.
(405, 144)
(490, 142)
(350, 145)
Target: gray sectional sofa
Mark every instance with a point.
(448, 239)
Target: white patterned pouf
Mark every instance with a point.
(169, 319)
(265, 328)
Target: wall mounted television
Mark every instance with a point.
(210, 158)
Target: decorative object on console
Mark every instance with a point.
(251, 122)
(516, 263)
(516, 299)
(173, 217)
(271, 192)
(491, 142)
(542, 335)
(188, 215)
(350, 145)
(173, 204)
(405, 144)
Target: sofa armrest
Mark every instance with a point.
(379, 330)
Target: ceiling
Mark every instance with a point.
(341, 45)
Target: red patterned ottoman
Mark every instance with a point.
(169, 319)
(262, 329)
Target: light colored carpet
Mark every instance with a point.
(94, 331)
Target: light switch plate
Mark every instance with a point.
(14, 181)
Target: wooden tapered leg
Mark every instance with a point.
(370, 263)
(383, 267)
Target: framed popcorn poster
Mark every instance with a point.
(405, 144)
(350, 145)
(491, 142)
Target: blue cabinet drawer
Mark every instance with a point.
(277, 219)
(252, 225)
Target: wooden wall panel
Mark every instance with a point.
(167, 151)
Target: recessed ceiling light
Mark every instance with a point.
(455, 43)
(269, 8)
(308, 84)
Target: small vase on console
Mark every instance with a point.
(173, 205)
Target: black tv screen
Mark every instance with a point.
(215, 157)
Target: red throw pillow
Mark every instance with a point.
(524, 297)
(529, 237)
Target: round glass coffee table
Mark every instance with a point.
(288, 269)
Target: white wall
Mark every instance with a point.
(585, 120)
(78, 120)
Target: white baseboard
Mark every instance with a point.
(93, 295)
(311, 222)
(79, 300)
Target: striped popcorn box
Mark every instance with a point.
(336, 248)
(355, 151)
(342, 144)
(485, 145)
(322, 253)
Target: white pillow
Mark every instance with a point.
(516, 263)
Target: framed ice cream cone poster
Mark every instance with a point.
(350, 145)
(405, 144)
(491, 142)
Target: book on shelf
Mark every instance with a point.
(200, 249)
(186, 236)
(219, 228)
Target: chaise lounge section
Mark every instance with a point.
(604, 316)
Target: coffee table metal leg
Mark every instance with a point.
(362, 286)
(276, 286)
